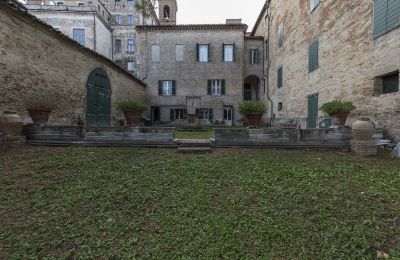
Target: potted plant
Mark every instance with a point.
(338, 109)
(39, 108)
(132, 109)
(253, 111)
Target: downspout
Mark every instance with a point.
(94, 31)
(266, 77)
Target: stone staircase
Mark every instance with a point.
(193, 145)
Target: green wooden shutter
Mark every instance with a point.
(280, 77)
(209, 87)
(174, 88)
(160, 87)
(280, 35)
(234, 52)
(197, 52)
(223, 52)
(209, 52)
(313, 54)
(380, 17)
(393, 14)
(210, 114)
(250, 56)
(172, 114)
(223, 87)
(257, 57)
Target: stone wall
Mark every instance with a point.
(191, 76)
(349, 59)
(39, 63)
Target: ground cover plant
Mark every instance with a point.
(148, 203)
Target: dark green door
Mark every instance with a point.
(312, 111)
(98, 99)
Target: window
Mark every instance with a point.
(118, 46)
(79, 36)
(80, 4)
(254, 56)
(130, 2)
(117, 20)
(313, 62)
(228, 52)
(203, 51)
(167, 88)
(167, 12)
(205, 113)
(313, 4)
(216, 87)
(387, 84)
(155, 53)
(386, 16)
(60, 3)
(130, 46)
(247, 93)
(280, 106)
(178, 114)
(280, 77)
(280, 35)
(179, 52)
(131, 66)
(130, 19)
(117, 2)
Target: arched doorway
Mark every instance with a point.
(251, 89)
(98, 99)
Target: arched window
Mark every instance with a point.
(167, 12)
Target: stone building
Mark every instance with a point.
(318, 51)
(77, 83)
(86, 21)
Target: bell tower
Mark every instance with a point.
(167, 10)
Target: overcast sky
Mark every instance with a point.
(216, 11)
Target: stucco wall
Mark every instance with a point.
(38, 63)
(349, 59)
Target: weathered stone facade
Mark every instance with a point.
(39, 63)
(90, 16)
(191, 76)
(350, 59)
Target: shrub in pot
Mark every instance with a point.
(252, 111)
(338, 109)
(132, 109)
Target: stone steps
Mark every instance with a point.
(193, 145)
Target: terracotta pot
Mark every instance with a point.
(132, 116)
(341, 118)
(39, 116)
(253, 119)
(11, 124)
(363, 129)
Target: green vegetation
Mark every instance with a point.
(337, 106)
(148, 203)
(130, 104)
(184, 134)
(248, 107)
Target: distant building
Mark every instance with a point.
(87, 22)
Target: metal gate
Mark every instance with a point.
(98, 99)
(312, 111)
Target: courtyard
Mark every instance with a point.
(236, 203)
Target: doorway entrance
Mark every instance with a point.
(228, 115)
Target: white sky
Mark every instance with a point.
(217, 11)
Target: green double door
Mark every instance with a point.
(312, 111)
(98, 99)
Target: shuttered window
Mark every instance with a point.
(386, 16)
(203, 52)
(280, 35)
(313, 62)
(280, 77)
(167, 88)
(216, 87)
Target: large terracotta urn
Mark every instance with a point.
(132, 116)
(11, 123)
(39, 116)
(253, 119)
(363, 129)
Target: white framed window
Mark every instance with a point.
(117, 2)
(117, 20)
(130, 46)
(167, 88)
(216, 87)
(130, 19)
(179, 52)
(314, 4)
(79, 36)
(118, 46)
(130, 2)
(203, 52)
(131, 66)
(254, 56)
(155, 53)
(228, 52)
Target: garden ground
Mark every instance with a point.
(148, 203)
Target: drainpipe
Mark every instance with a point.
(94, 32)
(266, 77)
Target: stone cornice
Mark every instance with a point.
(193, 27)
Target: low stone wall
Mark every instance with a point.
(103, 136)
(277, 137)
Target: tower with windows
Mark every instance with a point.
(167, 12)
